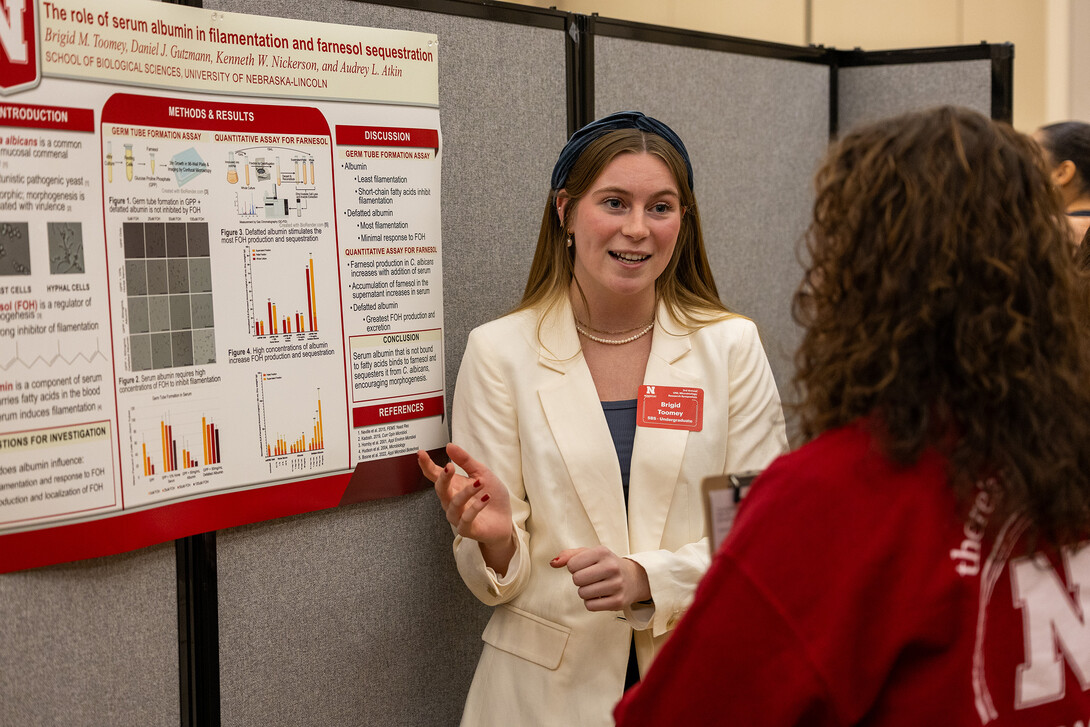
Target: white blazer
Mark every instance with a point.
(525, 405)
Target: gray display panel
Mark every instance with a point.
(755, 129)
(869, 93)
(91, 643)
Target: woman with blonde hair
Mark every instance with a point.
(923, 559)
(599, 405)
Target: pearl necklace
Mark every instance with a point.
(616, 342)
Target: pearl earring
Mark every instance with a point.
(569, 241)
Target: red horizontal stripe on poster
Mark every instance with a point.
(183, 113)
(62, 118)
(390, 477)
(366, 416)
(387, 136)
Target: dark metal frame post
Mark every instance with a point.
(198, 631)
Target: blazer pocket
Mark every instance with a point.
(527, 636)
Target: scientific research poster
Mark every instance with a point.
(220, 269)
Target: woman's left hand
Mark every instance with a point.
(606, 581)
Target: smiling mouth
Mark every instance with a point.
(628, 257)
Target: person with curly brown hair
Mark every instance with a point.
(923, 558)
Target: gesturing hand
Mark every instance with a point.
(477, 506)
(606, 581)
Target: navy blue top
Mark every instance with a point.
(621, 418)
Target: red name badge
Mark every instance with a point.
(671, 407)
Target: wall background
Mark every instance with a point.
(1046, 35)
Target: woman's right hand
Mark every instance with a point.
(478, 506)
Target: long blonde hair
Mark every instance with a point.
(686, 286)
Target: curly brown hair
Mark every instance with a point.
(942, 306)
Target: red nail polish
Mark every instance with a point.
(477, 483)
(484, 499)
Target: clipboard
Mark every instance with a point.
(722, 495)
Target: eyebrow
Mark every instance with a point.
(622, 190)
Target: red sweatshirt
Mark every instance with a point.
(854, 592)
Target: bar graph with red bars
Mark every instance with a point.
(297, 322)
(173, 460)
(302, 443)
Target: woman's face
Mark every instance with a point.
(625, 228)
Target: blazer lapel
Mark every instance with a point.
(657, 453)
(574, 415)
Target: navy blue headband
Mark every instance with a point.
(620, 120)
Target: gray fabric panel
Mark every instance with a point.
(354, 616)
(91, 643)
(357, 616)
(869, 93)
(755, 129)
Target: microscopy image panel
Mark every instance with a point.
(155, 240)
(197, 232)
(160, 351)
(178, 275)
(159, 313)
(65, 248)
(200, 275)
(204, 347)
(157, 277)
(139, 318)
(176, 245)
(140, 351)
(136, 277)
(14, 248)
(132, 234)
(182, 346)
(202, 311)
(180, 317)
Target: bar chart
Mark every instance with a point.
(173, 439)
(289, 420)
(281, 292)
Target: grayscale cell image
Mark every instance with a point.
(181, 345)
(136, 277)
(204, 347)
(180, 317)
(157, 276)
(200, 275)
(140, 352)
(178, 275)
(161, 357)
(202, 311)
(65, 248)
(168, 275)
(14, 248)
(139, 321)
(159, 305)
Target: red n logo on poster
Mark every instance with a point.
(20, 66)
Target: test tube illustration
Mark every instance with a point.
(128, 162)
(312, 172)
(109, 161)
(247, 165)
(152, 155)
(278, 171)
(232, 168)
